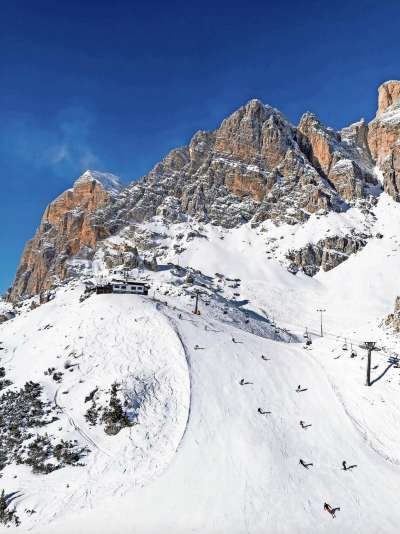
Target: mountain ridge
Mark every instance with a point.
(255, 166)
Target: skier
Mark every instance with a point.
(328, 508)
(347, 467)
(243, 382)
(262, 412)
(299, 389)
(303, 463)
(303, 425)
(265, 358)
(180, 316)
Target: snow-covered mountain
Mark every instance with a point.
(127, 413)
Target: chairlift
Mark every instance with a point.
(353, 352)
(344, 345)
(305, 335)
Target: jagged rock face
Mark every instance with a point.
(384, 137)
(255, 166)
(317, 142)
(326, 254)
(346, 163)
(66, 230)
(388, 95)
(393, 319)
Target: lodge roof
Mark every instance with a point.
(132, 282)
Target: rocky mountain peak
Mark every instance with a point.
(67, 228)
(255, 166)
(109, 182)
(389, 95)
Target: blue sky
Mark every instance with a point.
(115, 85)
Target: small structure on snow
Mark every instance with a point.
(123, 286)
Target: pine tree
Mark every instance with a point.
(114, 416)
(6, 515)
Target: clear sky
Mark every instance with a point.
(114, 85)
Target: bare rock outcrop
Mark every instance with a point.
(388, 95)
(326, 254)
(393, 319)
(67, 229)
(384, 137)
(344, 162)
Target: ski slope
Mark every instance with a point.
(202, 458)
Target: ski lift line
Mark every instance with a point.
(333, 336)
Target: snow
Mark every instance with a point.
(110, 182)
(5, 307)
(202, 459)
(379, 175)
(109, 338)
(391, 116)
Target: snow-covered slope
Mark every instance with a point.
(200, 457)
(94, 344)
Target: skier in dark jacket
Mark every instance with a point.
(303, 463)
(303, 425)
(243, 382)
(347, 467)
(328, 508)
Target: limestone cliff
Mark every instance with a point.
(66, 229)
(256, 166)
(384, 137)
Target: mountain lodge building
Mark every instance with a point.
(123, 286)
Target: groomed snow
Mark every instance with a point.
(202, 459)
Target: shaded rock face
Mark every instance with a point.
(326, 254)
(6, 316)
(345, 161)
(67, 229)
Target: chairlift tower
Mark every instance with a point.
(321, 311)
(196, 308)
(369, 346)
